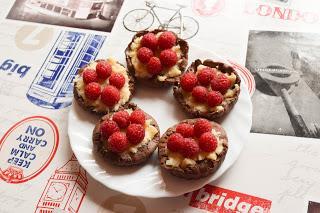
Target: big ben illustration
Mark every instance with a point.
(65, 189)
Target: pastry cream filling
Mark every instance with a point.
(141, 69)
(124, 91)
(204, 107)
(150, 132)
(176, 159)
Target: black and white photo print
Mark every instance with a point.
(286, 69)
(97, 15)
(313, 207)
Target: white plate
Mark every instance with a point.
(149, 180)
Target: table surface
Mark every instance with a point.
(277, 171)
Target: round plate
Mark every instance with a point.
(149, 180)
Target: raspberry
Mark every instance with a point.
(89, 75)
(121, 118)
(135, 133)
(201, 126)
(220, 83)
(137, 117)
(92, 91)
(117, 142)
(144, 54)
(117, 80)
(108, 127)
(154, 66)
(167, 40)
(205, 76)
(149, 40)
(103, 70)
(185, 129)
(208, 142)
(175, 142)
(188, 81)
(168, 58)
(200, 93)
(110, 96)
(214, 98)
(190, 148)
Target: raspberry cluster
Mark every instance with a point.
(207, 86)
(110, 94)
(123, 129)
(150, 45)
(189, 139)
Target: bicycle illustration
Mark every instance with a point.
(142, 19)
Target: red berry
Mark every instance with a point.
(205, 76)
(214, 98)
(137, 117)
(103, 70)
(121, 118)
(200, 93)
(117, 142)
(89, 75)
(190, 148)
(108, 127)
(117, 80)
(208, 142)
(175, 142)
(154, 66)
(220, 83)
(168, 58)
(135, 133)
(167, 40)
(201, 126)
(149, 40)
(110, 95)
(144, 54)
(188, 81)
(92, 91)
(185, 129)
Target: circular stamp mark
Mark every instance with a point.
(246, 76)
(27, 148)
(31, 38)
(208, 7)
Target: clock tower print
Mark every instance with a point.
(65, 189)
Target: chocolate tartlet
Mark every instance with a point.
(111, 86)
(130, 146)
(161, 41)
(193, 157)
(208, 89)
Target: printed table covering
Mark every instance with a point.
(274, 45)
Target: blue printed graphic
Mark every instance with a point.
(11, 67)
(53, 85)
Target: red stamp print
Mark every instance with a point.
(216, 199)
(27, 148)
(65, 189)
(208, 7)
(283, 13)
(246, 76)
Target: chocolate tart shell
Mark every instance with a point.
(126, 158)
(227, 106)
(202, 168)
(90, 108)
(182, 65)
